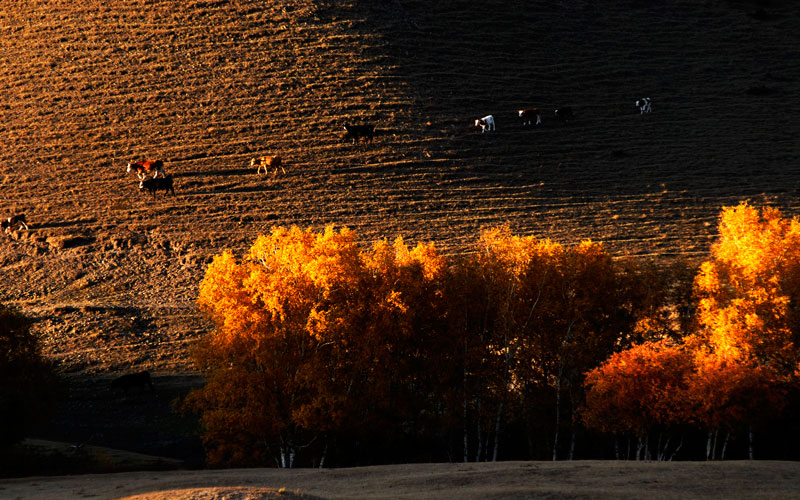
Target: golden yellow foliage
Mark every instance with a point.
(317, 336)
(311, 331)
(732, 370)
(748, 288)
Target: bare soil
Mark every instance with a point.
(111, 275)
(502, 480)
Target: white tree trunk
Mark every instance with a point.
(661, 451)
(479, 451)
(466, 423)
(567, 338)
(324, 455)
(497, 433)
(571, 453)
(725, 445)
(677, 448)
(558, 416)
(287, 454)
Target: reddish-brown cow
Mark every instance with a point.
(144, 167)
(266, 162)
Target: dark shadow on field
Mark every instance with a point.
(141, 421)
(110, 309)
(251, 189)
(709, 134)
(71, 223)
(218, 172)
(227, 189)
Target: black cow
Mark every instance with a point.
(13, 223)
(155, 184)
(356, 132)
(564, 114)
(131, 380)
(529, 115)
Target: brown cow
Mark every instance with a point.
(144, 167)
(266, 162)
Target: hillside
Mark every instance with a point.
(111, 275)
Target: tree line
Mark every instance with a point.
(324, 352)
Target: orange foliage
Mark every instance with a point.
(638, 389)
(732, 370)
(532, 316)
(726, 394)
(316, 336)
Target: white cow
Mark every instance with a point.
(486, 123)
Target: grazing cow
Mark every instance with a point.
(486, 123)
(144, 167)
(564, 114)
(14, 223)
(131, 380)
(153, 185)
(527, 116)
(266, 162)
(644, 105)
(356, 132)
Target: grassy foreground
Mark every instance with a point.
(506, 480)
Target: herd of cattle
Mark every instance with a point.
(530, 117)
(354, 133)
(533, 116)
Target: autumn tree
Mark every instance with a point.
(748, 340)
(316, 341)
(593, 313)
(493, 299)
(639, 392)
(743, 345)
(749, 290)
(405, 343)
(533, 316)
(322, 348)
(725, 395)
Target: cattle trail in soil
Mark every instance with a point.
(112, 275)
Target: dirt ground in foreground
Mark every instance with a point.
(507, 480)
